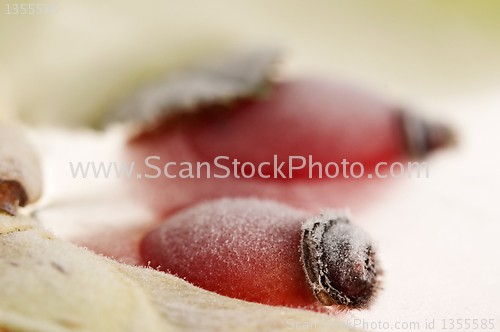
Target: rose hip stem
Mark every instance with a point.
(265, 252)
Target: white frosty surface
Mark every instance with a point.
(89, 203)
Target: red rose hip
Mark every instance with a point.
(265, 252)
(326, 120)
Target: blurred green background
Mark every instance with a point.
(70, 67)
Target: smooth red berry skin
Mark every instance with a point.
(326, 120)
(245, 249)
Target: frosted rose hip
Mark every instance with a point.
(251, 249)
(326, 120)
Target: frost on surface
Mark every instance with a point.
(243, 75)
(47, 284)
(190, 308)
(240, 228)
(50, 285)
(242, 248)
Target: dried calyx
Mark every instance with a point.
(20, 174)
(12, 194)
(422, 137)
(338, 260)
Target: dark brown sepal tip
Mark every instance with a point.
(339, 261)
(422, 136)
(12, 195)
